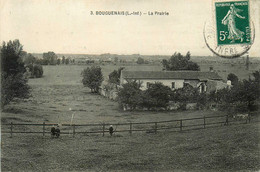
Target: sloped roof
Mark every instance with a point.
(170, 75)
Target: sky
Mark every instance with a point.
(67, 26)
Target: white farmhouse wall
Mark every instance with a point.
(178, 83)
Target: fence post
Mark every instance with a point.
(155, 127)
(227, 120)
(73, 130)
(204, 122)
(11, 129)
(181, 125)
(43, 128)
(130, 129)
(103, 130)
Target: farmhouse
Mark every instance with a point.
(205, 81)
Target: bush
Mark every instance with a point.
(41, 62)
(92, 78)
(182, 106)
(130, 95)
(36, 70)
(242, 97)
(233, 78)
(187, 94)
(157, 95)
(241, 107)
(202, 101)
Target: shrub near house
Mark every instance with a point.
(156, 96)
(242, 97)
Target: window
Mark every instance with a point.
(203, 88)
(173, 84)
(148, 84)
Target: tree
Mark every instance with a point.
(187, 94)
(256, 76)
(188, 55)
(130, 95)
(140, 60)
(29, 59)
(41, 61)
(67, 61)
(13, 83)
(37, 71)
(193, 66)
(180, 62)
(50, 57)
(92, 78)
(58, 62)
(233, 78)
(242, 97)
(63, 60)
(34, 65)
(114, 77)
(157, 95)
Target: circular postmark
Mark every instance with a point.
(230, 33)
(226, 51)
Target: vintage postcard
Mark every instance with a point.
(130, 85)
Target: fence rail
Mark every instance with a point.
(102, 128)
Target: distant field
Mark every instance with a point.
(221, 149)
(60, 89)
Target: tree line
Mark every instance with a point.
(50, 58)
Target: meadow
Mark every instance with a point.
(227, 148)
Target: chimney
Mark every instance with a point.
(228, 82)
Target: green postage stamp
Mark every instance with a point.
(230, 32)
(232, 22)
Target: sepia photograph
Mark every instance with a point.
(130, 85)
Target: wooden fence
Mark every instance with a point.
(102, 128)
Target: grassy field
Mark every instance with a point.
(231, 148)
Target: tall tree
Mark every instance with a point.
(180, 62)
(50, 57)
(13, 82)
(92, 78)
(63, 60)
(140, 60)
